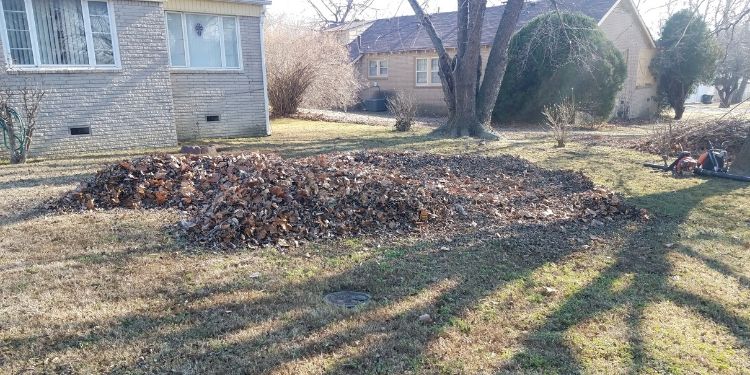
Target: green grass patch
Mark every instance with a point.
(114, 292)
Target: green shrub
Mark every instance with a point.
(554, 57)
(686, 56)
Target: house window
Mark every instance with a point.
(59, 32)
(644, 78)
(378, 68)
(428, 72)
(203, 41)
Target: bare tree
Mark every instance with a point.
(729, 22)
(731, 26)
(307, 68)
(733, 65)
(337, 12)
(469, 96)
(18, 123)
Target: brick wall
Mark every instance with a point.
(129, 108)
(402, 76)
(237, 97)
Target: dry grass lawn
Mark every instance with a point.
(117, 292)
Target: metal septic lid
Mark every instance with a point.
(347, 299)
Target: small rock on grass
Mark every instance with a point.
(425, 318)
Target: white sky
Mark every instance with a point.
(651, 10)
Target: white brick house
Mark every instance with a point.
(125, 74)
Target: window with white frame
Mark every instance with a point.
(203, 41)
(59, 33)
(428, 72)
(378, 68)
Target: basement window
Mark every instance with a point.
(213, 118)
(83, 130)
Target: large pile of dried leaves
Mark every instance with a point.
(696, 136)
(232, 200)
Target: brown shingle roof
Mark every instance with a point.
(407, 34)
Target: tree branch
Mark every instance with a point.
(445, 61)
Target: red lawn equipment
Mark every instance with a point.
(710, 163)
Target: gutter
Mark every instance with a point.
(264, 69)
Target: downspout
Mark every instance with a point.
(263, 68)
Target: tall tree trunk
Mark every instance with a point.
(678, 104)
(677, 93)
(741, 164)
(723, 97)
(679, 110)
(727, 88)
(469, 96)
(497, 61)
(740, 93)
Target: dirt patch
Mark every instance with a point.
(257, 199)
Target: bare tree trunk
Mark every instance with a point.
(723, 98)
(727, 88)
(679, 110)
(741, 164)
(738, 95)
(470, 98)
(465, 122)
(498, 61)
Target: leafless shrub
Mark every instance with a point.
(559, 118)
(589, 122)
(18, 123)
(694, 135)
(307, 68)
(663, 139)
(403, 109)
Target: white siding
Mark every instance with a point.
(622, 27)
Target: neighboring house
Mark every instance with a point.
(125, 74)
(397, 54)
(348, 31)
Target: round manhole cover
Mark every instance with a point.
(347, 299)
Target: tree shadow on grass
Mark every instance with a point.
(274, 329)
(44, 181)
(644, 256)
(290, 328)
(716, 265)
